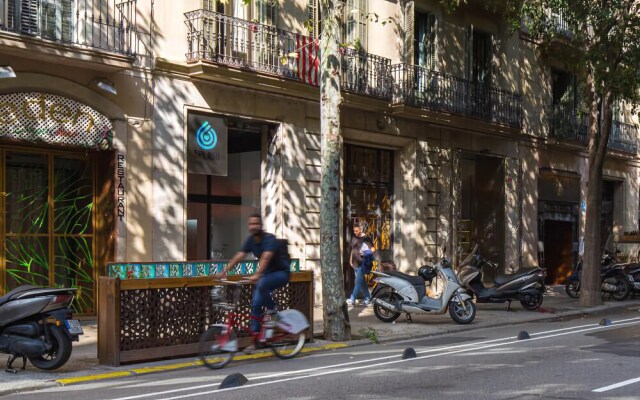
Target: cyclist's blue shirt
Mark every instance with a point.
(268, 242)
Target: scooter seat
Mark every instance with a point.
(17, 291)
(414, 280)
(502, 279)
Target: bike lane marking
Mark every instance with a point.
(616, 385)
(172, 367)
(453, 350)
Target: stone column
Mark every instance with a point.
(512, 189)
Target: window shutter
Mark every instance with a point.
(469, 52)
(431, 49)
(28, 19)
(409, 26)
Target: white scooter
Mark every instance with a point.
(397, 292)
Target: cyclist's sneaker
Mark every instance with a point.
(366, 303)
(350, 302)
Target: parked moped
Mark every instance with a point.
(612, 275)
(35, 323)
(397, 292)
(526, 285)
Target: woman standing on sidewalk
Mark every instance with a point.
(358, 243)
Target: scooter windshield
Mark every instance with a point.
(469, 257)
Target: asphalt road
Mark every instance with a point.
(566, 358)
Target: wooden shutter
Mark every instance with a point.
(469, 52)
(26, 16)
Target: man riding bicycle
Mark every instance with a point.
(271, 274)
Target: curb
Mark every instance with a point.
(172, 367)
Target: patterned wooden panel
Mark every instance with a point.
(158, 317)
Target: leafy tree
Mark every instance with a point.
(605, 37)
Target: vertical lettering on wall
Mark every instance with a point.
(120, 186)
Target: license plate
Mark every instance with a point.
(74, 327)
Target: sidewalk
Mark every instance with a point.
(83, 365)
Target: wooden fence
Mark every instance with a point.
(143, 320)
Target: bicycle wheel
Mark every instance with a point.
(286, 345)
(215, 348)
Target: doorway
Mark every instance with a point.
(368, 199)
(558, 253)
(482, 207)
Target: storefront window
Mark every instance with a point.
(218, 206)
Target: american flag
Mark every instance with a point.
(308, 61)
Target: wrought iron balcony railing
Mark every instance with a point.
(365, 73)
(108, 25)
(568, 125)
(419, 87)
(239, 43)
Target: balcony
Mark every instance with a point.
(566, 124)
(221, 39)
(419, 87)
(366, 74)
(103, 25)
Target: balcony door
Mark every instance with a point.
(49, 19)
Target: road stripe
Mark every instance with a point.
(313, 371)
(616, 385)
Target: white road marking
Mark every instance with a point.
(616, 385)
(452, 350)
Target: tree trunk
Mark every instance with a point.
(336, 325)
(590, 292)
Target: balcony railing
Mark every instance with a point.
(108, 25)
(568, 125)
(419, 87)
(244, 44)
(364, 73)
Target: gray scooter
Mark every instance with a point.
(398, 292)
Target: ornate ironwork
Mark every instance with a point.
(419, 87)
(567, 124)
(100, 24)
(365, 73)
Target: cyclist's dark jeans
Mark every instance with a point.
(262, 295)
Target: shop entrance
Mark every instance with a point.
(48, 220)
(218, 206)
(368, 199)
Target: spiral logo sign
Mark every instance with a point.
(206, 136)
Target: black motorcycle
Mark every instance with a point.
(36, 323)
(612, 275)
(633, 274)
(526, 285)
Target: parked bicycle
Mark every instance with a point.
(283, 332)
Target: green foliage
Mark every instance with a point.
(370, 334)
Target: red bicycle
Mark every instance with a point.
(284, 335)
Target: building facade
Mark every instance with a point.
(456, 133)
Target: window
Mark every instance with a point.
(313, 24)
(563, 86)
(480, 56)
(425, 40)
(355, 30)
(266, 11)
(49, 19)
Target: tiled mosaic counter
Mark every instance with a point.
(151, 270)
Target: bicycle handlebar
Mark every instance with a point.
(238, 282)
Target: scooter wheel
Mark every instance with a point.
(572, 290)
(58, 353)
(532, 302)
(462, 313)
(382, 313)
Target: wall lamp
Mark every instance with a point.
(105, 85)
(6, 72)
